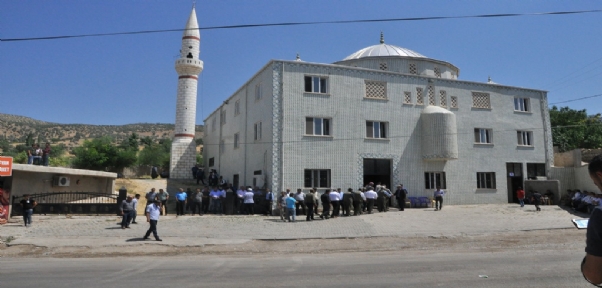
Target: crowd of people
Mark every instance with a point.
(584, 201)
(38, 156)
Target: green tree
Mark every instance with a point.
(572, 129)
(146, 141)
(156, 154)
(101, 154)
(131, 142)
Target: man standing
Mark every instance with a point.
(206, 200)
(46, 154)
(325, 204)
(27, 204)
(181, 198)
(387, 197)
(370, 198)
(310, 202)
(189, 202)
(126, 209)
(152, 216)
(591, 266)
(197, 201)
(135, 212)
(163, 196)
(300, 197)
(439, 198)
(214, 196)
(335, 197)
(400, 195)
(200, 175)
(347, 201)
(290, 207)
(151, 196)
(520, 194)
(269, 199)
(240, 199)
(282, 205)
(249, 203)
(222, 199)
(357, 202)
(195, 169)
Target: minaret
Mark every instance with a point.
(188, 66)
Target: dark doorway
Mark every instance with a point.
(235, 182)
(377, 170)
(514, 172)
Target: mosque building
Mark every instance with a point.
(383, 114)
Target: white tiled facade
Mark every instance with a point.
(419, 137)
(188, 66)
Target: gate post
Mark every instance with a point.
(123, 193)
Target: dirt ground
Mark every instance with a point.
(570, 239)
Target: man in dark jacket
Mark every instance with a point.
(400, 195)
(325, 198)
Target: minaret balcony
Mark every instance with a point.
(189, 66)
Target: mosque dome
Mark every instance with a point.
(384, 50)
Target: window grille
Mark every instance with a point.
(376, 90)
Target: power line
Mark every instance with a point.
(306, 23)
(576, 99)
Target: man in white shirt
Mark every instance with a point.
(300, 197)
(152, 216)
(249, 203)
(370, 198)
(214, 196)
(240, 199)
(335, 199)
(439, 198)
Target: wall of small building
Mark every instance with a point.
(35, 182)
(424, 66)
(346, 105)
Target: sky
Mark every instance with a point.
(124, 79)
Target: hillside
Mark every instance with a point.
(15, 129)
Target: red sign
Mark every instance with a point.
(6, 166)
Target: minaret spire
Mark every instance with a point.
(382, 38)
(188, 66)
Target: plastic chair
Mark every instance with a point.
(424, 202)
(414, 202)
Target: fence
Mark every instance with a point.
(68, 203)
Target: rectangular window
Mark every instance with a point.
(525, 138)
(481, 100)
(213, 123)
(407, 97)
(211, 162)
(485, 180)
(483, 136)
(236, 141)
(419, 98)
(443, 98)
(431, 92)
(222, 119)
(413, 69)
(257, 131)
(317, 126)
(437, 72)
(315, 84)
(536, 170)
(236, 107)
(454, 101)
(375, 89)
(257, 172)
(376, 129)
(316, 178)
(432, 180)
(521, 104)
(257, 92)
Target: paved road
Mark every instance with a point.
(537, 268)
(461, 220)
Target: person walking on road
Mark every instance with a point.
(282, 205)
(135, 212)
(153, 211)
(591, 266)
(438, 198)
(27, 204)
(181, 202)
(536, 200)
(126, 209)
(520, 194)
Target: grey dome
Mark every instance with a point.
(383, 49)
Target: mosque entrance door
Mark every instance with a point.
(514, 174)
(377, 170)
